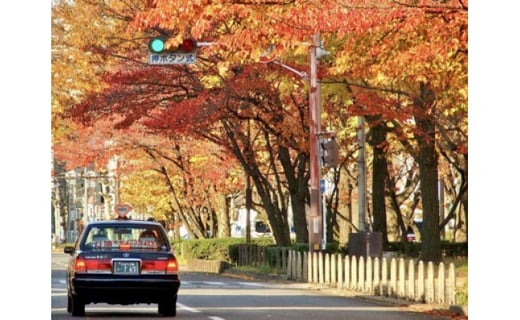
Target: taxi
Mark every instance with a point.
(122, 261)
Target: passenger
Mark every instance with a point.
(148, 235)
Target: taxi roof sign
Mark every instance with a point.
(122, 210)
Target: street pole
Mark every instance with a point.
(248, 209)
(315, 219)
(248, 188)
(362, 206)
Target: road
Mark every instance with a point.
(218, 297)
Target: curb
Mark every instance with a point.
(254, 276)
(460, 310)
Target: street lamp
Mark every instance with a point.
(315, 221)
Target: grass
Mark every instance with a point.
(461, 273)
(263, 269)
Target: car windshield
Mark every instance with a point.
(124, 237)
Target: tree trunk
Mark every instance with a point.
(465, 197)
(345, 219)
(299, 218)
(270, 192)
(428, 168)
(224, 229)
(377, 139)
(297, 185)
(277, 218)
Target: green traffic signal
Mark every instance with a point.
(156, 45)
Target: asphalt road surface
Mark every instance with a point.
(205, 296)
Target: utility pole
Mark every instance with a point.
(362, 184)
(248, 187)
(315, 218)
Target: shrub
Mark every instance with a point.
(224, 249)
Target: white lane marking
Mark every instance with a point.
(185, 307)
(214, 283)
(253, 284)
(63, 294)
(188, 284)
(133, 308)
(121, 308)
(145, 308)
(91, 308)
(216, 318)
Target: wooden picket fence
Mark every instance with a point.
(409, 279)
(399, 278)
(254, 255)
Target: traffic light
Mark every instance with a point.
(329, 152)
(158, 45)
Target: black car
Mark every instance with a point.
(122, 262)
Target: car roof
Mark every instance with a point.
(123, 221)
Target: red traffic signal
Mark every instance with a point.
(188, 45)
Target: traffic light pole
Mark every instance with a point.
(315, 222)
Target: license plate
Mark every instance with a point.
(126, 267)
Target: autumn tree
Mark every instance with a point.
(182, 105)
(403, 64)
(195, 189)
(279, 135)
(416, 62)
